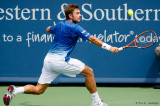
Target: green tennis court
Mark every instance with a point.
(79, 96)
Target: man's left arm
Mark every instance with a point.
(48, 28)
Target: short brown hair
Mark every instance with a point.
(69, 9)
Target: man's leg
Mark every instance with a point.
(38, 89)
(91, 86)
(89, 79)
(28, 89)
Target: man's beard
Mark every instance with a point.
(74, 21)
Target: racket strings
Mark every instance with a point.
(146, 39)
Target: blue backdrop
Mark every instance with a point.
(24, 41)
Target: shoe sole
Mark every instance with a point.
(7, 97)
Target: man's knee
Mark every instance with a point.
(87, 71)
(90, 71)
(39, 91)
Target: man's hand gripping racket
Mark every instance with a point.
(144, 40)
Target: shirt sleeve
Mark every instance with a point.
(53, 29)
(79, 31)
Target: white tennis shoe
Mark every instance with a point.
(100, 103)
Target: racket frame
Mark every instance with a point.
(134, 41)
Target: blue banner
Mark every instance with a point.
(24, 41)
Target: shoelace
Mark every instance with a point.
(10, 95)
(99, 103)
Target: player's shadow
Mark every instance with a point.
(28, 104)
(154, 71)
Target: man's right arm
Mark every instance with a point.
(100, 43)
(78, 30)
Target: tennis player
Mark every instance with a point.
(58, 61)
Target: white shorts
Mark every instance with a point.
(55, 64)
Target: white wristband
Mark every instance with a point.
(106, 46)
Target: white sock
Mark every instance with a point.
(18, 90)
(95, 97)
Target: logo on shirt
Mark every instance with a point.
(87, 34)
(84, 31)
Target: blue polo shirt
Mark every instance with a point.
(66, 36)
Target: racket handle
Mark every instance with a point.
(121, 48)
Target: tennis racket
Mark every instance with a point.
(144, 40)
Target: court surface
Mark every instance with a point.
(79, 96)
